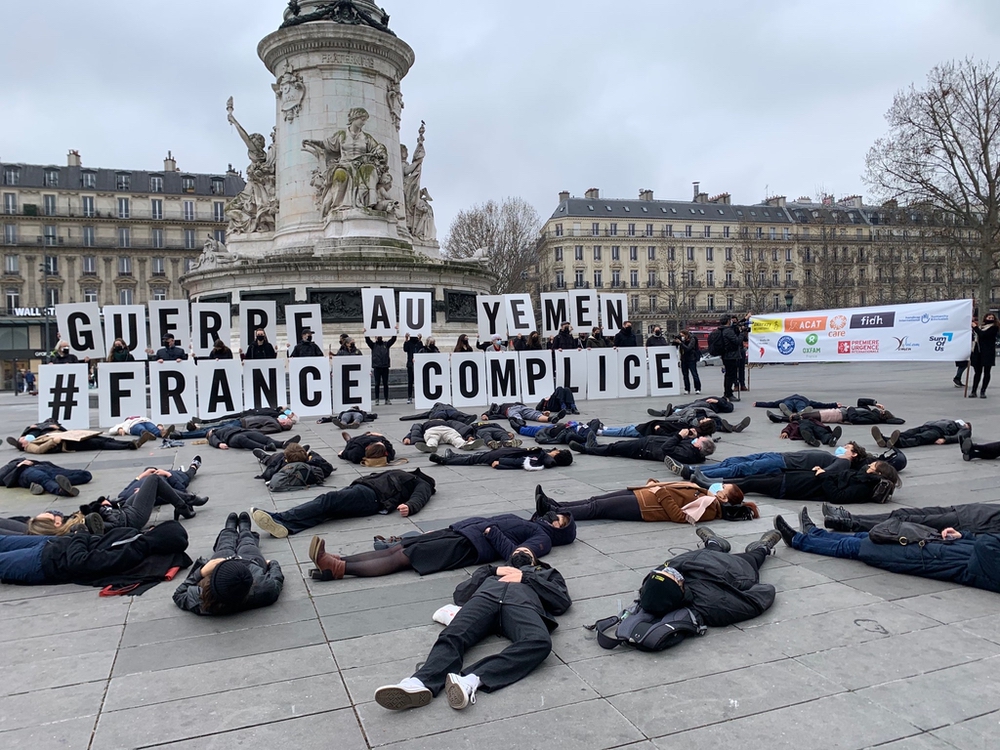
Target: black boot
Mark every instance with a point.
(786, 531)
(805, 522)
(837, 519)
(182, 509)
(767, 541)
(834, 436)
(711, 540)
(699, 479)
(232, 522)
(968, 448)
(516, 424)
(544, 503)
(243, 522)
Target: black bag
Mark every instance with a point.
(295, 476)
(716, 344)
(645, 631)
(897, 531)
(883, 491)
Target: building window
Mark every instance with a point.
(159, 267)
(189, 240)
(710, 277)
(688, 230)
(89, 180)
(748, 255)
(579, 279)
(51, 178)
(155, 184)
(10, 234)
(788, 255)
(788, 277)
(50, 234)
(671, 254)
(159, 293)
(772, 233)
(631, 230)
(809, 275)
(89, 294)
(156, 208)
(652, 303)
(729, 278)
(690, 253)
(595, 229)
(760, 233)
(218, 186)
(560, 280)
(124, 265)
(123, 208)
(124, 237)
(613, 229)
(88, 206)
(597, 252)
(123, 181)
(559, 230)
(13, 300)
(578, 252)
(188, 210)
(807, 257)
(598, 279)
(559, 254)
(633, 253)
(711, 302)
(763, 278)
(219, 211)
(730, 302)
(707, 231)
(634, 303)
(670, 230)
(89, 265)
(11, 265)
(633, 278)
(689, 277)
(187, 184)
(88, 236)
(124, 296)
(157, 239)
(709, 253)
(616, 252)
(651, 278)
(774, 278)
(616, 279)
(725, 232)
(651, 252)
(786, 233)
(774, 301)
(49, 205)
(220, 235)
(10, 203)
(649, 230)
(671, 278)
(51, 265)
(11, 175)
(188, 262)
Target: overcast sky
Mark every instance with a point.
(526, 99)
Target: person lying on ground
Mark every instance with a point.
(529, 459)
(561, 433)
(179, 480)
(264, 411)
(519, 414)
(985, 451)
(936, 432)
(796, 403)
(812, 431)
(236, 577)
(50, 436)
(873, 484)
(518, 600)
(697, 426)
(562, 399)
(134, 511)
(866, 412)
(715, 404)
(41, 477)
(349, 419)
(472, 541)
(257, 423)
(405, 492)
(441, 411)
(272, 463)
(680, 502)
(953, 555)
(241, 438)
(356, 446)
(980, 518)
(652, 448)
(851, 456)
(136, 426)
(427, 436)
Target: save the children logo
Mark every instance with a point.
(786, 345)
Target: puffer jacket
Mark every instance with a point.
(507, 532)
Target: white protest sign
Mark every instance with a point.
(378, 308)
(502, 381)
(491, 316)
(169, 316)
(614, 312)
(126, 322)
(555, 311)
(431, 380)
(537, 375)
(210, 321)
(415, 313)
(300, 317)
(468, 379)
(220, 387)
(172, 391)
(602, 374)
(80, 326)
(264, 383)
(571, 371)
(632, 373)
(256, 314)
(520, 315)
(309, 386)
(583, 309)
(352, 383)
(63, 395)
(664, 371)
(121, 391)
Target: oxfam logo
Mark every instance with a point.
(811, 339)
(786, 345)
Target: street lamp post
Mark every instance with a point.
(789, 300)
(45, 302)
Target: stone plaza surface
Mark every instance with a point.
(848, 657)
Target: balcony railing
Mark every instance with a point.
(110, 215)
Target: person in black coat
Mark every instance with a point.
(411, 345)
(443, 411)
(405, 492)
(936, 432)
(984, 353)
(220, 351)
(958, 556)
(43, 476)
(260, 347)
(354, 451)
(796, 403)
(714, 404)
(689, 353)
(626, 336)
(652, 448)
(981, 518)
(380, 364)
(236, 578)
(656, 339)
(562, 398)
(529, 459)
(872, 484)
(472, 541)
(306, 347)
(294, 453)
(733, 352)
(239, 437)
(565, 339)
(867, 411)
(168, 351)
(519, 601)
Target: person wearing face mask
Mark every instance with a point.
(260, 347)
(656, 339)
(119, 352)
(564, 339)
(652, 448)
(169, 350)
(220, 351)
(63, 355)
(495, 344)
(872, 484)
(984, 353)
(519, 600)
(380, 364)
(462, 345)
(689, 353)
(849, 456)
(306, 347)
(626, 336)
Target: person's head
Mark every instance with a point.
(990, 319)
(496, 338)
(343, 337)
(561, 457)
(706, 445)
(560, 528)
(295, 453)
(731, 494)
(725, 320)
(705, 427)
(119, 345)
(226, 587)
(533, 336)
(430, 342)
(595, 331)
(463, 338)
(855, 453)
(168, 340)
(350, 343)
(260, 336)
(220, 345)
(53, 524)
(662, 591)
(62, 347)
(307, 334)
(358, 116)
(522, 557)
(657, 331)
(627, 325)
(378, 339)
(285, 422)
(685, 334)
(884, 470)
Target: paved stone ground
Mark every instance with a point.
(848, 657)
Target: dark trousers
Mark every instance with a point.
(741, 372)
(690, 372)
(817, 430)
(350, 502)
(10, 527)
(982, 371)
(46, 476)
(989, 451)
(245, 544)
(100, 443)
(135, 510)
(529, 640)
(409, 383)
(756, 558)
(920, 436)
(730, 377)
(381, 376)
(469, 459)
(252, 439)
(772, 485)
(937, 517)
(621, 505)
(561, 398)
(620, 449)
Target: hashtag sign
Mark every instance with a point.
(63, 395)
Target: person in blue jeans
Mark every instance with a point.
(136, 426)
(849, 456)
(42, 476)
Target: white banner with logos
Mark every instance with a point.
(918, 332)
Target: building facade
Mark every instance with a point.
(685, 263)
(78, 234)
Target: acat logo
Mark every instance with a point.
(817, 323)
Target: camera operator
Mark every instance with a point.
(732, 351)
(657, 338)
(689, 353)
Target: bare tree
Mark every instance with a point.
(753, 255)
(504, 235)
(942, 152)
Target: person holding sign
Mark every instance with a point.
(306, 347)
(260, 347)
(168, 351)
(119, 352)
(64, 356)
(411, 345)
(380, 364)
(495, 344)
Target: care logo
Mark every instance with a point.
(838, 323)
(813, 323)
(765, 325)
(786, 345)
(812, 339)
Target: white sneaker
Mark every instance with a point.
(266, 522)
(461, 691)
(698, 393)
(410, 693)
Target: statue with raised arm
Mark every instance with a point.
(254, 209)
(351, 165)
(412, 171)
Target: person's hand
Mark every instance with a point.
(487, 530)
(223, 447)
(839, 405)
(145, 473)
(939, 441)
(26, 462)
(161, 472)
(509, 575)
(404, 510)
(495, 464)
(108, 502)
(951, 534)
(782, 436)
(211, 565)
(159, 361)
(818, 470)
(407, 337)
(177, 360)
(406, 441)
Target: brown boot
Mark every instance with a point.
(330, 567)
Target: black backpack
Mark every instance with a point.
(716, 344)
(646, 631)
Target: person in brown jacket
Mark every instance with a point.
(680, 502)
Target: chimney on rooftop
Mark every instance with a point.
(563, 196)
(73, 158)
(721, 198)
(697, 189)
(170, 163)
(775, 201)
(593, 194)
(645, 195)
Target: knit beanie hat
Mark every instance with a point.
(660, 593)
(231, 581)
